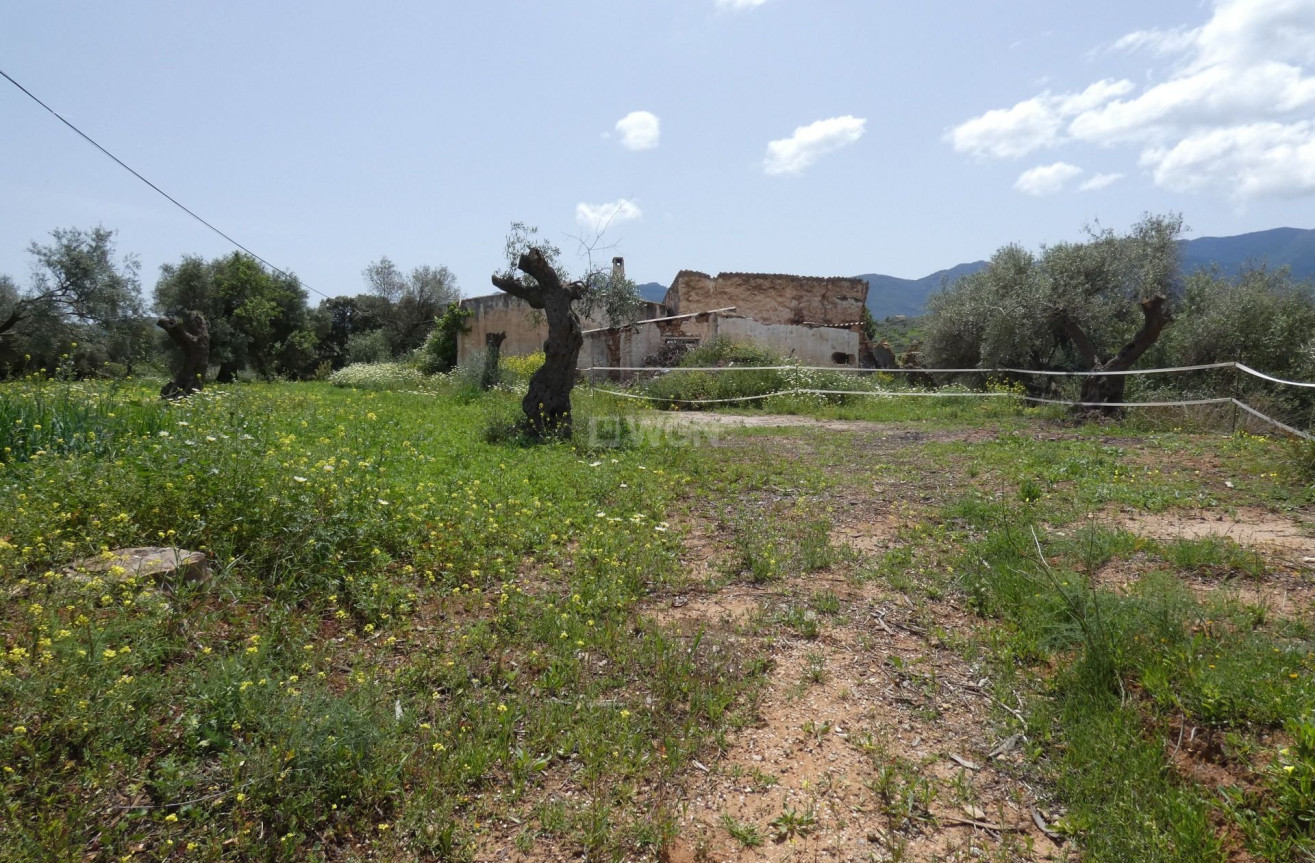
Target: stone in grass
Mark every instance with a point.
(163, 565)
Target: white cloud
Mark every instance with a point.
(639, 130)
(1031, 124)
(1252, 161)
(739, 4)
(1215, 96)
(810, 143)
(1046, 179)
(1099, 181)
(1232, 114)
(1171, 41)
(597, 218)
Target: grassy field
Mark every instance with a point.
(417, 644)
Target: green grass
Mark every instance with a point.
(743, 832)
(406, 630)
(412, 636)
(1136, 662)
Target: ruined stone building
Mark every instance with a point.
(817, 321)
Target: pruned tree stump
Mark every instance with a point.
(492, 356)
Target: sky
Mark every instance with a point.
(814, 137)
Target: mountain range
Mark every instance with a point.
(1279, 247)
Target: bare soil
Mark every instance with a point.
(1287, 587)
(848, 726)
(882, 738)
(1249, 526)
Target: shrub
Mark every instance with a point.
(378, 376)
(440, 349)
(518, 369)
(752, 380)
(369, 347)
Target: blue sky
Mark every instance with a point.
(816, 137)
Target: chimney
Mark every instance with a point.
(618, 269)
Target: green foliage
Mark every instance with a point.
(42, 418)
(257, 319)
(302, 703)
(440, 350)
(899, 331)
(744, 832)
(1214, 553)
(368, 347)
(1133, 659)
(81, 310)
(693, 385)
(1013, 312)
(519, 369)
(412, 301)
(747, 371)
(791, 823)
(1301, 456)
(1260, 318)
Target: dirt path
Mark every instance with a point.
(875, 739)
(879, 735)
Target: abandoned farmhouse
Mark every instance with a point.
(815, 320)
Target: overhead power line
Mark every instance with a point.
(169, 197)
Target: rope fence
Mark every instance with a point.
(908, 371)
(886, 393)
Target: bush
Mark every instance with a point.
(752, 380)
(379, 376)
(517, 370)
(368, 347)
(440, 349)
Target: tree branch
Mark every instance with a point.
(12, 321)
(1155, 317)
(1085, 348)
(532, 296)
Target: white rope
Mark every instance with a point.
(1287, 428)
(1170, 404)
(1252, 371)
(1127, 404)
(794, 392)
(910, 371)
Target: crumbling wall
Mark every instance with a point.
(771, 298)
(813, 346)
(501, 313)
(526, 329)
(644, 343)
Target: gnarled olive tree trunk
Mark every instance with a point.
(547, 405)
(1102, 390)
(192, 337)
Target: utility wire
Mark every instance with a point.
(170, 198)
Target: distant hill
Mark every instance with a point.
(1279, 247)
(891, 295)
(652, 292)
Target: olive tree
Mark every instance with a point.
(80, 293)
(255, 318)
(1096, 305)
(534, 273)
(413, 300)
